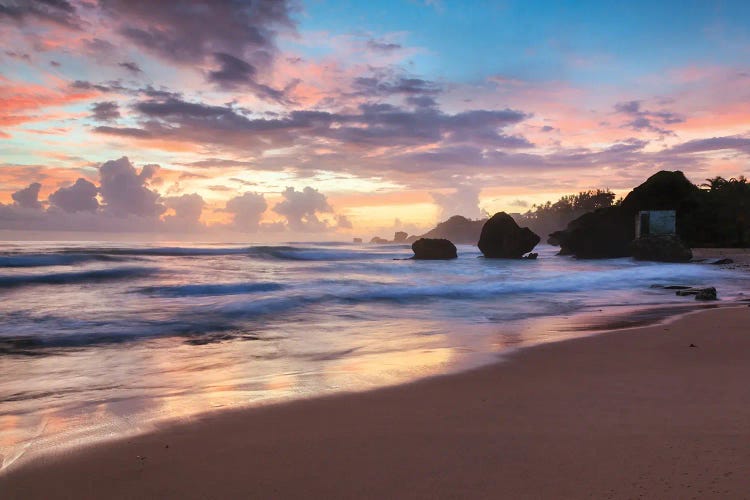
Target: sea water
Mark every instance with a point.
(100, 340)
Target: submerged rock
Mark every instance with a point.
(501, 238)
(663, 248)
(434, 249)
(708, 293)
(722, 262)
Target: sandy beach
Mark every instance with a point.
(634, 413)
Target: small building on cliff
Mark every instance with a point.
(655, 222)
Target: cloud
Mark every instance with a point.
(188, 209)
(737, 143)
(383, 46)
(382, 124)
(28, 197)
(131, 66)
(105, 111)
(641, 119)
(464, 200)
(237, 35)
(220, 163)
(247, 210)
(300, 208)
(80, 197)
(382, 85)
(234, 73)
(60, 12)
(343, 222)
(187, 31)
(125, 192)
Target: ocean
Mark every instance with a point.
(99, 341)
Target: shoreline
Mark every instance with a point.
(561, 328)
(222, 438)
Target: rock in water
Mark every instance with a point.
(706, 294)
(400, 237)
(699, 293)
(434, 249)
(501, 238)
(667, 248)
(722, 262)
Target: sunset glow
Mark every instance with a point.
(394, 114)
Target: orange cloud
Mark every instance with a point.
(18, 99)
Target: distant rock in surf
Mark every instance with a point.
(357, 240)
(400, 237)
(501, 238)
(379, 240)
(434, 249)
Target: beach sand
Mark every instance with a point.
(739, 256)
(627, 414)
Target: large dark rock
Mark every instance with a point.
(434, 249)
(608, 232)
(458, 229)
(501, 238)
(666, 248)
(708, 293)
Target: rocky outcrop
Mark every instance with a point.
(357, 240)
(608, 232)
(501, 238)
(379, 240)
(434, 249)
(666, 248)
(458, 229)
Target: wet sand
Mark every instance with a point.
(739, 256)
(628, 414)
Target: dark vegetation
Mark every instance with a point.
(548, 217)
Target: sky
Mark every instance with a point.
(284, 119)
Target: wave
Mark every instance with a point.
(52, 259)
(198, 290)
(317, 254)
(493, 297)
(69, 278)
(159, 251)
